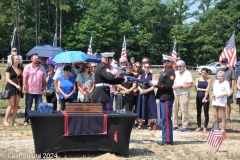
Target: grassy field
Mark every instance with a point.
(189, 145)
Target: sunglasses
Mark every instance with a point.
(68, 70)
(87, 67)
(146, 67)
(14, 50)
(137, 66)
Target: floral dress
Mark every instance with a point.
(86, 85)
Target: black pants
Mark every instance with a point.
(63, 101)
(125, 101)
(199, 111)
(52, 99)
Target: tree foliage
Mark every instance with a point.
(150, 27)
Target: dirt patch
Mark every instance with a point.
(18, 142)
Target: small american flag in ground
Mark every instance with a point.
(90, 47)
(229, 52)
(124, 49)
(174, 52)
(215, 137)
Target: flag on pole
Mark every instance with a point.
(124, 49)
(174, 51)
(90, 47)
(215, 137)
(229, 52)
(55, 40)
(15, 43)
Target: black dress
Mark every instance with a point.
(16, 79)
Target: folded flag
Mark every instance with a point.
(133, 79)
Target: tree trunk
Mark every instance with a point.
(36, 22)
(56, 20)
(60, 24)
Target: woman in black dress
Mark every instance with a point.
(14, 84)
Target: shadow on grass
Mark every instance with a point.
(192, 141)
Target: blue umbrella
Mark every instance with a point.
(70, 57)
(94, 58)
(45, 51)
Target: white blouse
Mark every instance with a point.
(220, 89)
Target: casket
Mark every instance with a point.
(84, 108)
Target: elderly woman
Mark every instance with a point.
(66, 87)
(202, 86)
(85, 83)
(221, 90)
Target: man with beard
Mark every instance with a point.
(34, 82)
(122, 65)
(103, 79)
(230, 76)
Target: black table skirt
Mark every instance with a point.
(48, 134)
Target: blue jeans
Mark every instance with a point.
(112, 100)
(29, 101)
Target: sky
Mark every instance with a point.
(192, 8)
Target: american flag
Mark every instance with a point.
(90, 47)
(215, 137)
(229, 52)
(174, 52)
(55, 40)
(14, 42)
(124, 49)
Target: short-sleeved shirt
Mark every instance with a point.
(50, 83)
(229, 74)
(9, 59)
(35, 76)
(180, 80)
(59, 73)
(67, 86)
(127, 85)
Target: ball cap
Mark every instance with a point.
(108, 54)
(167, 58)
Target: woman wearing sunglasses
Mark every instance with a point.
(85, 83)
(146, 105)
(66, 87)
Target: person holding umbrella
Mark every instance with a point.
(103, 79)
(166, 96)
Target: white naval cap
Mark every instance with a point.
(167, 58)
(108, 54)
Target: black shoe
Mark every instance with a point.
(164, 143)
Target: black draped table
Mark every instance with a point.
(49, 138)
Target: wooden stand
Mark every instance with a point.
(84, 108)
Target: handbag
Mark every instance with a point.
(4, 94)
(50, 92)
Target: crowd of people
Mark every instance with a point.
(106, 83)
